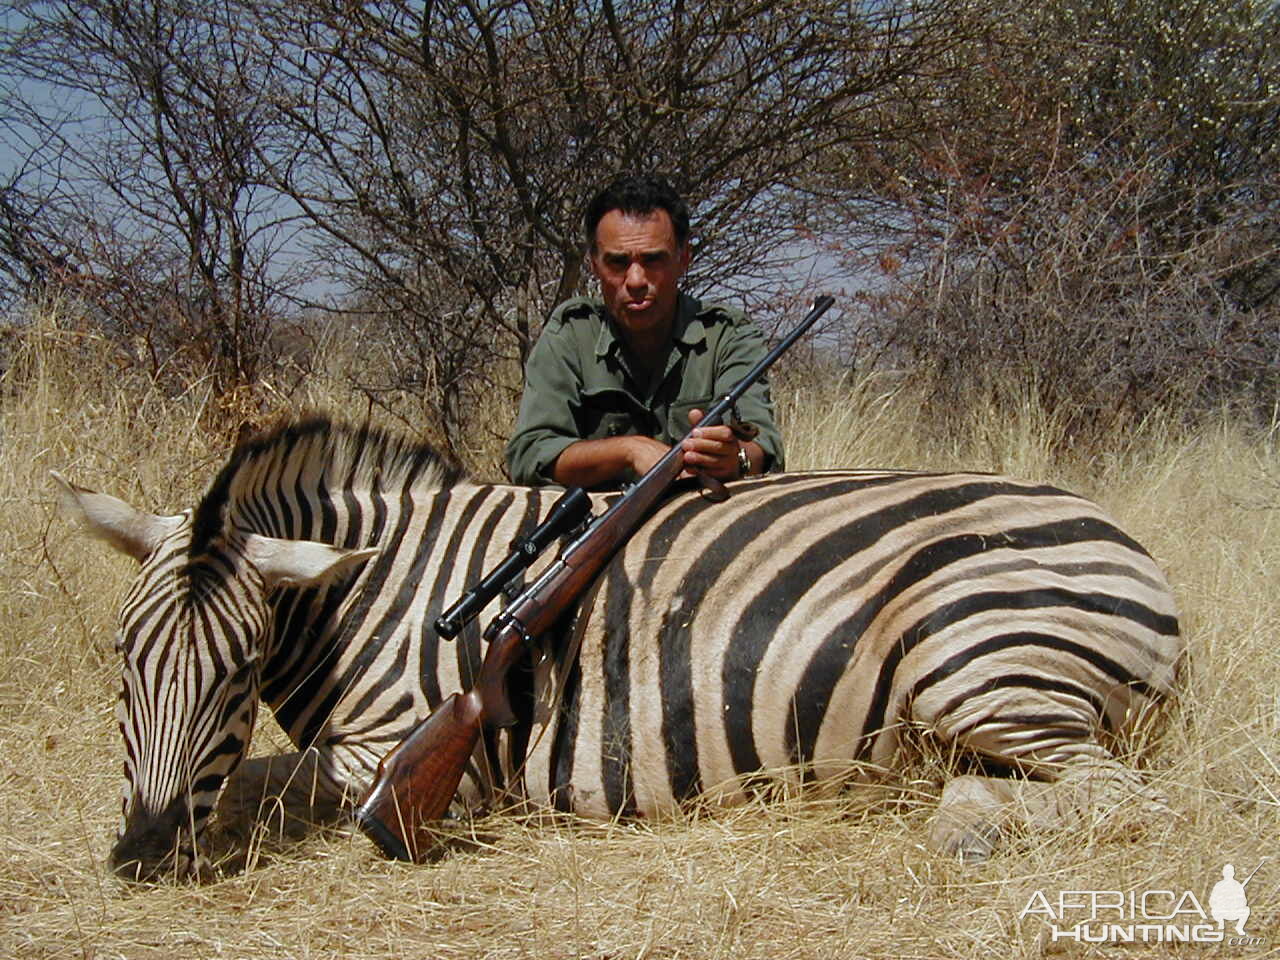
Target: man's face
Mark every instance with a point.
(639, 266)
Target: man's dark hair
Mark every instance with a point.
(637, 194)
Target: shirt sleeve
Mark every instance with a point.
(742, 347)
(546, 423)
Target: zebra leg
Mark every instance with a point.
(1049, 735)
(1094, 793)
(288, 793)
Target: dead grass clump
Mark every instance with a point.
(798, 877)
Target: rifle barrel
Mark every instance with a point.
(820, 306)
(574, 505)
(722, 406)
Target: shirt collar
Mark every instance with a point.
(688, 331)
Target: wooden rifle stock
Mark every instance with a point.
(416, 781)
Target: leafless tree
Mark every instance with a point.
(1103, 226)
(1083, 193)
(147, 155)
(446, 149)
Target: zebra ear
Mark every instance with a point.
(107, 518)
(293, 563)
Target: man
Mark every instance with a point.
(614, 381)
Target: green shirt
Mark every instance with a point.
(581, 383)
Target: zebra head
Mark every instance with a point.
(192, 632)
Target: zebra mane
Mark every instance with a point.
(338, 456)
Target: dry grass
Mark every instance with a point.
(797, 878)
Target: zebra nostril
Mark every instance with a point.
(129, 869)
(148, 862)
(135, 866)
(153, 845)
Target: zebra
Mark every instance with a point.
(813, 625)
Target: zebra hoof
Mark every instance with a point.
(967, 824)
(969, 843)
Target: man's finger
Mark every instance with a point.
(708, 447)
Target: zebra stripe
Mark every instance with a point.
(807, 625)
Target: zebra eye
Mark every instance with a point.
(240, 675)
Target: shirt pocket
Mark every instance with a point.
(612, 425)
(606, 413)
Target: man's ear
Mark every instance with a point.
(296, 563)
(130, 531)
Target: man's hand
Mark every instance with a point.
(713, 451)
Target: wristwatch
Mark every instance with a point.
(744, 462)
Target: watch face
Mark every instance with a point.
(744, 462)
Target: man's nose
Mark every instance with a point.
(636, 277)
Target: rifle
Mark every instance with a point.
(417, 780)
(1254, 870)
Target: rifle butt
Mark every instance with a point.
(416, 781)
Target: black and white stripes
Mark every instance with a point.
(807, 621)
(802, 625)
